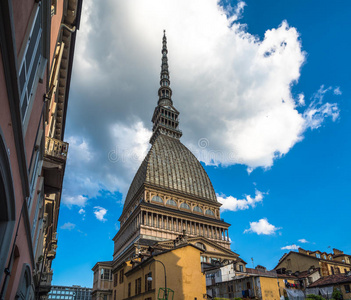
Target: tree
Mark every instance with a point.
(337, 295)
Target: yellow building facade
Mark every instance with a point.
(145, 278)
(303, 260)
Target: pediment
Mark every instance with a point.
(211, 247)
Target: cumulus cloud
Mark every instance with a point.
(234, 204)
(78, 200)
(303, 241)
(230, 87)
(262, 227)
(100, 213)
(68, 226)
(290, 247)
(82, 212)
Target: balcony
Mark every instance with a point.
(45, 283)
(56, 148)
(51, 254)
(54, 164)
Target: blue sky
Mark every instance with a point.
(297, 189)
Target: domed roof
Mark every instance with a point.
(170, 165)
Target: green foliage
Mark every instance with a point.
(237, 298)
(337, 295)
(314, 297)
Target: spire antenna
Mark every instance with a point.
(165, 116)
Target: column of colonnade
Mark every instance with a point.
(176, 224)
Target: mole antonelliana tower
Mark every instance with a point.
(171, 195)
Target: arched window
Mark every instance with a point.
(209, 212)
(197, 209)
(201, 245)
(25, 290)
(7, 204)
(157, 199)
(185, 206)
(171, 202)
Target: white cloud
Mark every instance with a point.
(229, 85)
(318, 111)
(337, 91)
(262, 227)
(81, 211)
(68, 226)
(100, 213)
(301, 100)
(290, 247)
(303, 241)
(78, 200)
(234, 204)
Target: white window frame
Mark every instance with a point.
(26, 92)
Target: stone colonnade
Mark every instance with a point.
(177, 224)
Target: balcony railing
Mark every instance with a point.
(56, 148)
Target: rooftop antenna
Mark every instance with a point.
(253, 265)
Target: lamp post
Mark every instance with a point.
(164, 268)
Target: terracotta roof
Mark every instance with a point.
(170, 165)
(331, 280)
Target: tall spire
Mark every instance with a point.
(165, 116)
(164, 92)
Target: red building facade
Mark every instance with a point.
(37, 42)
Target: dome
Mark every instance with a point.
(171, 166)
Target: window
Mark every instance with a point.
(330, 258)
(185, 206)
(318, 255)
(30, 63)
(114, 295)
(197, 209)
(106, 274)
(241, 268)
(171, 202)
(148, 283)
(324, 256)
(138, 286)
(121, 276)
(209, 212)
(129, 289)
(25, 289)
(53, 7)
(347, 288)
(115, 279)
(157, 199)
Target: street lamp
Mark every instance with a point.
(149, 278)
